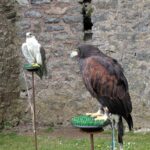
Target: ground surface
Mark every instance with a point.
(66, 132)
(73, 133)
(69, 139)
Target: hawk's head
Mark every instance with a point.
(84, 51)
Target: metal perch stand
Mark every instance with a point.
(113, 135)
(32, 69)
(89, 125)
(34, 112)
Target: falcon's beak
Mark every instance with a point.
(73, 54)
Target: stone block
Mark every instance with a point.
(52, 20)
(23, 2)
(24, 24)
(55, 28)
(73, 19)
(105, 4)
(143, 56)
(40, 1)
(46, 37)
(56, 10)
(33, 13)
(61, 36)
(142, 26)
(75, 10)
(99, 17)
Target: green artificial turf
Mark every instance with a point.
(88, 121)
(13, 141)
(30, 67)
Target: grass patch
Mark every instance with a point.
(49, 129)
(13, 141)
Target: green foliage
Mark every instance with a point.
(7, 125)
(49, 129)
(13, 141)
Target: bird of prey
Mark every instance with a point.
(34, 53)
(104, 78)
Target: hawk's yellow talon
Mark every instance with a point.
(104, 117)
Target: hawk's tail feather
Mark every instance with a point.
(129, 121)
(120, 130)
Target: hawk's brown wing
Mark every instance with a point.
(104, 79)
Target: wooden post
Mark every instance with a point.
(92, 141)
(34, 112)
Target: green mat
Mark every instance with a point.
(84, 121)
(30, 67)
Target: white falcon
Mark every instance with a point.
(34, 53)
(31, 49)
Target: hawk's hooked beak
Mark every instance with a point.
(74, 54)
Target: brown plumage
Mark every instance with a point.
(104, 79)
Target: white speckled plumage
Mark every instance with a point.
(31, 49)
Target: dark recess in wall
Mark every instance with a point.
(87, 22)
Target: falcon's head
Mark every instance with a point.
(29, 35)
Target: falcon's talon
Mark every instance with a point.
(35, 65)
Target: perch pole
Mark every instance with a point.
(113, 135)
(34, 112)
(92, 141)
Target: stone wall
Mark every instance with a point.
(120, 29)
(58, 27)
(9, 66)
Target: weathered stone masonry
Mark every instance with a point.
(120, 28)
(58, 26)
(9, 66)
